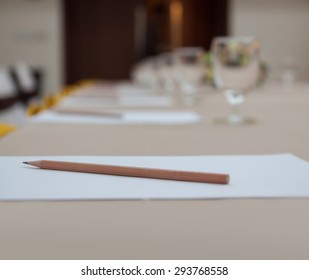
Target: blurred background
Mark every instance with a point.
(65, 41)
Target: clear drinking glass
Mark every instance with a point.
(165, 65)
(189, 71)
(236, 64)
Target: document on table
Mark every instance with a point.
(129, 117)
(262, 176)
(124, 94)
(129, 101)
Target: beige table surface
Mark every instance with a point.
(207, 229)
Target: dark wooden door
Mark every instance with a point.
(100, 34)
(201, 21)
(99, 39)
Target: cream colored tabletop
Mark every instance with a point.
(193, 229)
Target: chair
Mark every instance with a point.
(27, 81)
(8, 91)
(11, 111)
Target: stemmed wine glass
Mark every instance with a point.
(236, 64)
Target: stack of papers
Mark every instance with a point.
(120, 94)
(123, 101)
(270, 176)
(130, 117)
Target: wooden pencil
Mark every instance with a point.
(213, 178)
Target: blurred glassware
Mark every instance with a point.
(208, 68)
(289, 72)
(189, 72)
(145, 73)
(264, 70)
(236, 68)
(165, 72)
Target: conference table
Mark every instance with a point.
(271, 228)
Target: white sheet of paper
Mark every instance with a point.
(124, 101)
(130, 117)
(129, 89)
(116, 90)
(270, 176)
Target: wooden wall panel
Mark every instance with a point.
(99, 39)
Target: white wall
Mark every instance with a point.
(31, 31)
(282, 27)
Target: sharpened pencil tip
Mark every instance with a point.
(26, 162)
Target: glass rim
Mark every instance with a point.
(245, 38)
(189, 50)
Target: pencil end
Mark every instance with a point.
(227, 179)
(26, 162)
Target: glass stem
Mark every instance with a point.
(235, 111)
(235, 99)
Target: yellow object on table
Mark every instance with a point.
(54, 99)
(5, 129)
(34, 109)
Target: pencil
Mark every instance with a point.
(191, 176)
